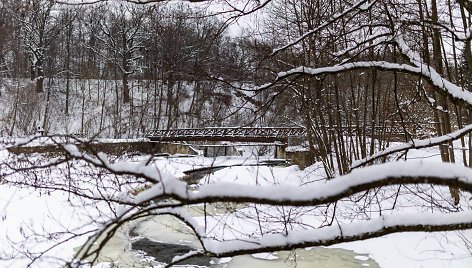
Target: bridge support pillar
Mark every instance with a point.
(302, 158)
(280, 152)
(172, 148)
(298, 152)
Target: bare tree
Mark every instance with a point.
(123, 36)
(40, 29)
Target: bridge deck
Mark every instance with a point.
(238, 134)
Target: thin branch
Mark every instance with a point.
(415, 144)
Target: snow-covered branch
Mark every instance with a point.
(357, 181)
(443, 86)
(343, 233)
(414, 144)
(141, 170)
(170, 196)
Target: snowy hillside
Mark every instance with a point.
(96, 109)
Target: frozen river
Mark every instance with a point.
(156, 233)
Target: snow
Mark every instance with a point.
(356, 181)
(265, 256)
(418, 68)
(297, 148)
(266, 184)
(414, 249)
(319, 236)
(415, 144)
(26, 211)
(362, 258)
(186, 255)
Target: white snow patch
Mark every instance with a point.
(362, 258)
(265, 256)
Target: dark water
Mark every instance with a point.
(195, 175)
(164, 252)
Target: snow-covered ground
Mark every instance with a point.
(95, 110)
(33, 220)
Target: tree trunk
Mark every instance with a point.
(445, 124)
(39, 79)
(125, 88)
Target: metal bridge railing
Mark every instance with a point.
(243, 134)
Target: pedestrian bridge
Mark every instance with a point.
(232, 134)
(224, 141)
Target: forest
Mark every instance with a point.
(382, 88)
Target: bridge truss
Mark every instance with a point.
(232, 134)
